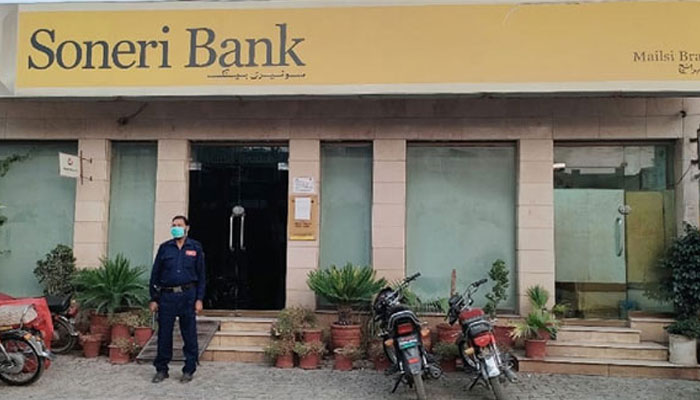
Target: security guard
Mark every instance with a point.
(177, 290)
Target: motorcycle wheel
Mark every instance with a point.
(62, 341)
(420, 386)
(497, 388)
(33, 364)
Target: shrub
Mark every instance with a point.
(680, 281)
(345, 287)
(446, 351)
(114, 286)
(499, 275)
(687, 327)
(56, 271)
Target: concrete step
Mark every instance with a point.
(243, 323)
(245, 354)
(241, 338)
(608, 367)
(598, 334)
(608, 351)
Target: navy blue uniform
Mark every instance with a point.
(176, 267)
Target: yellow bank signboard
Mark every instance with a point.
(301, 48)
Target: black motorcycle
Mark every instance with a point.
(65, 336)
(401, 332)
(477, 343)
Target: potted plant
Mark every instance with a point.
(143, 328)
(281, 353)
(345, 356)
(498, 274)
(345, 287)
(375, 350)
(56, 270)
(309, 354)
(447, 355)
(121, 351)
(538, 297)
(121, 324)
(113, 287)
(91, 344)
(310, 332)
(682, 337)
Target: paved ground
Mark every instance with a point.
(79, 378)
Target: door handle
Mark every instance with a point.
(242, 239)
(230, 234)
(618, 236)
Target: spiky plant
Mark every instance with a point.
(114, 286)
(345, 287)
(538, 296)
(536, 324)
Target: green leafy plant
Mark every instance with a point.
(144, 318)
(438, 305)
(538, 296)
(130, 318)
(689, 327)
(540, 321)
(446, 351)
(288, 324)
(303, 349)
(350, 351)
(345, 287)
(561, 309)
(278, 348)
(680, 280)
(114, 286)
(56, 271)
(499, 275)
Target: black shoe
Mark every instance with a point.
(186, 377)
(160, 377)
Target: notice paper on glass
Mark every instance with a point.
(302, 208)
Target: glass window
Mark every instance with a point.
(132, 201)
(460, 215)
(40, 208)
(346, 204)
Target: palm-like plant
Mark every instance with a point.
(535, 325)
(345, 287)
(538, 296)
(112, 287)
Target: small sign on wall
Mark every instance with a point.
(68, 165)
(303, 217)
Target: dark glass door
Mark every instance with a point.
(238, 211)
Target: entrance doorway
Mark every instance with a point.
(613, 219)
(238, 209)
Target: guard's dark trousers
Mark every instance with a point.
(171, 305)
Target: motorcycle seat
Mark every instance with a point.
(11, 315)
(58, 304)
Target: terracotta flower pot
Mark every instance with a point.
(448, 365)
(427, 340)
(311, 335)
(142, 334)
(503, 338)
(342, 363)
(343, 335)
(120, 331)
(100, 326)
(536, 349)
(309, 361)
(91, 347)
(448, 333)
(116, 356)
(285, 361)
(381, 363)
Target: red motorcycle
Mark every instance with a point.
(477, 343)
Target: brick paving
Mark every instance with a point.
(77, 378)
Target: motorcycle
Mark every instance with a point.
(402, 337)
(65, 336)
(22, 355)
(477, 343)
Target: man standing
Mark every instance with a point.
(177, 290)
